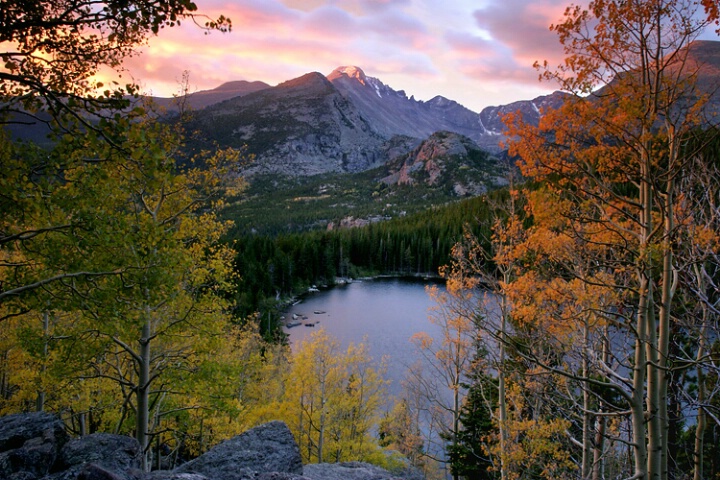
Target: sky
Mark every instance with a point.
(477, 52)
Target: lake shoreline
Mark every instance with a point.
(285, 305)
(383, 313)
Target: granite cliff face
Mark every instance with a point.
(350, 122)
(450, 160)
(300, 127)
(205, 98)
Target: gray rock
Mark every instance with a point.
(116, 452)
(22, 476)
(29, 445)
(165, 475)
(268, 448)
(280, 476)
(90, 471)
(36, 447)
(17, 429)
(116, 455)
(352, 471)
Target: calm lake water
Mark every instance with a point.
(383, 313)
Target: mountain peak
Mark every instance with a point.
(239, 85)
(349, 71)
(309, 80)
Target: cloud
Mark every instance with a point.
(291, 37)
(508, 38)
(523, 27)
(359, 7)
(403, 31)
(424, 47)
(485, 60)
(330, 23)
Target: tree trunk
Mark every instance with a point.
(321, 432)
(587, 424)
(456, 417)
(143, 394)
(640, 367)
(502, 404)
(701, 416)
(40, 404)
(601, 421)
(668, 292)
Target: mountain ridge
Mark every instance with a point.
(343, 122)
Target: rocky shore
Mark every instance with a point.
(36, 446)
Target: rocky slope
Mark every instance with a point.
(348, 121)
(450, 160)
(301, 127)
(36, 447)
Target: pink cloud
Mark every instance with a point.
(402, 30)
(485, 60)
(357, 6)
(331, 23)
(406, 46)
(511, 36)
(523, 27)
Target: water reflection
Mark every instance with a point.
(383, 313)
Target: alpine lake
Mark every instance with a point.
(382, 313)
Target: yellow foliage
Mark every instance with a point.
(331, 399)
(536, 443)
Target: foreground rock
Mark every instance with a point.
(30, 445)
(355, 471)
(36, 447)
(267, 448)
(99, 456)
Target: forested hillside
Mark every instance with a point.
(441, 169)
(276, 267)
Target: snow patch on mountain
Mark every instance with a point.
(349, 71)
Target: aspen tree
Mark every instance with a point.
(615, 149)
(447, 363)
(332, 399)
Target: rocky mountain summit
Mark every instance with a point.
(346, 122)
(36, 446)
(349, 122)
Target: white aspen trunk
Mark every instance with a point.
(587, 424)
(637, 404)
(667, 294)
(143, 394)
(456, 403)
(654, 428)
(82, 421)
(40, 403)
(698, 455)
(600, 421)
(701, 419)
(502, 404)
(321, 430)
(644, 328)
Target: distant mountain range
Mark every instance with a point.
(330, 149)
(350, 122)
(343, 122)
